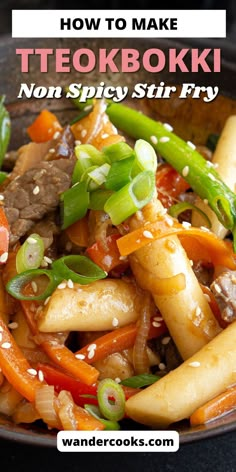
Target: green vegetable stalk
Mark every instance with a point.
(198, 172)
(5, 129)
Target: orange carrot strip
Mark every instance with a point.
(44, 127)
(85, 421)
(78, 233)
(223, 403)
(219, 252)
(118, 340)
(15, 366)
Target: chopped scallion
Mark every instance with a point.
(146, 158)
(30, 254)
(119, 174)
(118, 151)
(109, 425)
(98, 199)
(114, 409)
(74, 203)
(176, 210)
(139, 381)
(79, 269)
(18, 283)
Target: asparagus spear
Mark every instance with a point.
(198, 172)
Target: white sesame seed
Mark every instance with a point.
(77, 142)
(212, 177)
(62, 285)
(169, 221)
(216, 165)
(91, 354)
(1, 329)
(32, 371)
(36, 190)
(217, 288)
(6, 345)
(165, 340)
(81, 357)
(115, 322)
(191, 262)
(105, 135)
(168, 127)
(158, 318)
(0, 337)
(83, 133)
(13, 325)
(162, 366)
(153, 139)
(68, 246)
(34, 286)
(207, 297)
(92, 347)
(194, 364)
(51, 151)
(47, 259)
(198, 311)
(203, 228)
(186, 224)
(205, 201)
(164, 139)
(156, 324)
(43, 264)
(40, 376)
(123, 258)
(138, 241)
(191, 145)
(185, 171)
(31, 240)
(56, 135)
(148, 234)
(1, 197)
(4, 257)
(209, 164)
(117, 380)
(88, 108)
(47, 300)
(70, 284)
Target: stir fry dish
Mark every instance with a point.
(118, 272)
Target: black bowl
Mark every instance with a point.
(22, 113)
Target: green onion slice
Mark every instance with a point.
(97, 176)
(17, 284)
(176, 210)
(113, 410)
(139, 381)
(118, 151)
(87, 151)
(109, 425)
(119, 173)
(3, 176)
(146, 158)
(80, 269)
(75, 203)
(98, 199)
(131, 197)
(30, 254)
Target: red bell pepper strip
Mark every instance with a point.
(169, 185)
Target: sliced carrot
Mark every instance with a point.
(78, 233)
(118, 340)
(15, 366)
(85, 421)
(44, 127)
(223, 403)
(217, 251)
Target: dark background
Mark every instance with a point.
(212, 455)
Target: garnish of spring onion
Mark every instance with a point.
(139, 381)
(98, 199)
(130, 198)
(79, 269)
(17, 284)
(30, 254)
(118, 151)
(119, 173)
(176, 210)
(145, 156)
(95, 176)
(109, 425)
(75, 203)
(114, 409)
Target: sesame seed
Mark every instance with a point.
(32, 371)
(162, 366)
(56, 135)
(62, 285)
(34, 286)
(138, 241)
(148, 234)
(105, 135)
(83, 133)
(13, 325)
(194, 364)
(1, 329)
(47, 259)
(165, 340)
(205, 201)
(0, 337)
(4, 257)
(169, 221)
(88, 108)
(91, 354)
(217, 288)
(191, 262)
(91, 347)
(186, 224)
(31, 240)
(70, 284)
(117, 380)
(77, 142)
(123, 258)
(36, 190)
(209, 164)
(198, 311)
(51, 151)
(2, 197)
(40, 376)
(115, 322)
(68, 246)
(47, 300)
(168, 127)
(81, 357)
(44, 264)
(156, 324)
(164, 139)
(207, 297)
(185, 171)
(212, 177)
(216, 165)
(191, 145)
(153, 139)
(203, 228)
(158, 318)
(6, 345)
